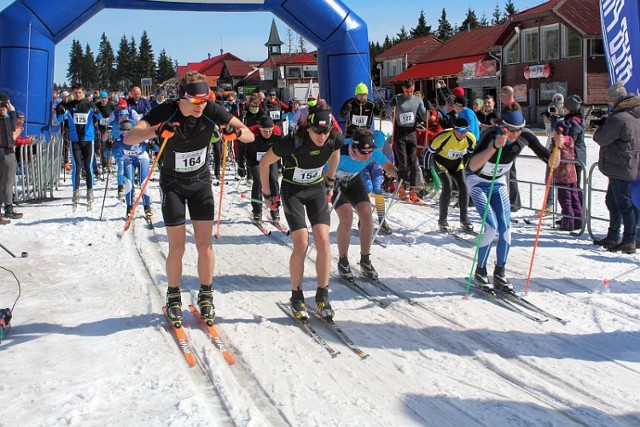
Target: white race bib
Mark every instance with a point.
(275, 114)
(407, 119)
(260, 155)
(455, 155)
(488, 168)
(346, 176)
(80, 118)
(307, 176)
(359, 121)
(133, 153)
(104, 122)
(193, 160)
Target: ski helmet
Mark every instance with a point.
(361, 89)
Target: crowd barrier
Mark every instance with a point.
(38, 171)
(586, 191)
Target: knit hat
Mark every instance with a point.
(616, 92)
(479, 102)
(361, 89)
(266, 122)
(558, 98)
(104, 94)
(461, 122)
(363, 142)
(122, 103)
(321, 120)
(19, 115)
(457, 91)
(562, 127)
(573, 103)
(460, 101)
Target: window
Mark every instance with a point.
(310, 71)
(294, 72)
(597, 47)
(550, 46)
(571, 43)
(530, 45)
(512, 51)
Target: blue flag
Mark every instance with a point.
(620, 20)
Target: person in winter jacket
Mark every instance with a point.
(564, 173)
(619, 159)
(573, 115)
(8, 163)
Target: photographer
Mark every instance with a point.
(8, 164)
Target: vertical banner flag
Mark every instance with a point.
(620, 20)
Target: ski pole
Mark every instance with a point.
(225, 145)
(394, 199)
(482, 226)
(106, 186)
(7, 250)
(166, 135)
(544, 205)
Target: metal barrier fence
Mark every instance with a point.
(38, 171)
(585, 190)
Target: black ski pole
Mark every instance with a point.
(106, 186)
(7, 250)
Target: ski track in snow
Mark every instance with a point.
(90, 344)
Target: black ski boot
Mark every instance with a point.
(481, 279)
(323, 306)
(205, 304)
(174, 306)
(9, 213)
(466, 226)
(500, 280)
(129, 209)
(147, 212)
(385, 229)
(121, 193)
(443, 225)
(367, 268)
(257, 218)
(298, 307)
(344, 270)
(275, 216)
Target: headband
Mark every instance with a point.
(199, 90)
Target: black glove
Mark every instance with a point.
(230, 133)
(269, 201)
(242, 172)
(329, 184)
(166, 129)
(109, 144)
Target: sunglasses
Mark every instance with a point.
(513, 128)
(323, 129)
(364, 152)
(196, 101)
(462, 129)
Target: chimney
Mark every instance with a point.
(208, 55)
(221, 51)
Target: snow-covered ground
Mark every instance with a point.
(90, 346)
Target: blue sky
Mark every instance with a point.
(190, 36)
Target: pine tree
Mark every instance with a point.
(470, 22)
(89, 70)
(165, 69)
(146, 60)
(105, 63)
(124, 65)
(76, 63)
(445, 30)
(496, 16)
(422, 29)
(136, 69)
(509, 8)
(289, 43)
(387, 44)
(302, 44)
(402, 35)
(484, 22)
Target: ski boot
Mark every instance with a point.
(298, 307)
(402, 194)
(205, 304)
(323, 306)
(10, 213)
(443, 226)
(500, 280)
(413, 196)
(367, 268)
(89, 200)
(385, 229)
(76, 199)
(466, 226)
(129, 209)
(120, 193)
(257, 218)
(344, 270)
(481, 279)
(147, 212)
(174, 306)
(275, 217)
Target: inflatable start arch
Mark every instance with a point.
(30, 29)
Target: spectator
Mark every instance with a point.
(489, 112)
(573, 114)
(462, 111)
(138, 103)
(161, 97)
(8, 163)
(21, 140)
(565, 175)
(619, 141)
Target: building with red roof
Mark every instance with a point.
(403, 55)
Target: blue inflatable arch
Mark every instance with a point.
(30, 29)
